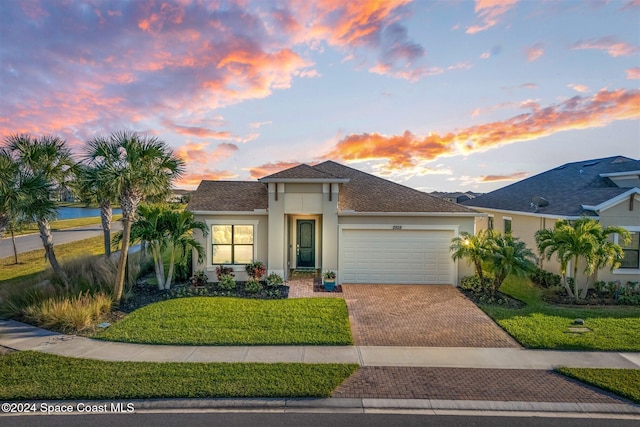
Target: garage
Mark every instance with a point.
(396, 256)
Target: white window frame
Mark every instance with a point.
(633, 229)
(211, 222)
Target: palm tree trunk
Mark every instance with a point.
(15, 250)
(49, 253)
(157, 264)
(122, 262)
(167, 283)
(106, 215)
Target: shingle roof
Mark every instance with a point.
(302, 171)
(565, 187)
(368, 193)
(234, 196)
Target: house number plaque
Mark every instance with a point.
(397, 227)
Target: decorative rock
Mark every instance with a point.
(578, 322)
(104, 325)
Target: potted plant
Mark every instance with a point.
(329, 280)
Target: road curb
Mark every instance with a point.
(283, 405)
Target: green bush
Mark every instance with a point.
(256, 269)
(226, 282)
(545, 278)
(221, 270)
(274, 280)
(473, 284)
(252, 286)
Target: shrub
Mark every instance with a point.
(69, 314)
(545, 278)
(256, 269)
(221, 270)
(274, 280)
(199, 278)
(477, 286)
(252, 286)
(226, 282)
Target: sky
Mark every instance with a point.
(436, 95)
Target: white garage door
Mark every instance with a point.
(396, 256)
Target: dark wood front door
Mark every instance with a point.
(306, 243)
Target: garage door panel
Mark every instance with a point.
(396, 256)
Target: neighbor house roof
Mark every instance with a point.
(359, 192)
(368, 193)
(566, 188)
(231, 196)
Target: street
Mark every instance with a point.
(32, 242)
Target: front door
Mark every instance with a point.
(306, 243)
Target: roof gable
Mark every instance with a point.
(300, 172)
(566, 188)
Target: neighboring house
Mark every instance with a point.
(456, 197)
(604, 189)
(331, 217)
(179, 195)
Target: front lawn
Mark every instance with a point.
(623, 382)
(542, 325)
(235, 321)
(30, 375)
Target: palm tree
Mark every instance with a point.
(584, 238)
(476, 248)
(508, 256)
(181, 226)
(136, 167)
(49, 159)
(93, 189)
(18, 191)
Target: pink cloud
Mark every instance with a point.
(633, 73)
(270, 168)
(489, 13)
(609, 44)
(534, 52)
(509, 177)
(409, 150)
(578, 87)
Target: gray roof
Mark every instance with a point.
(566, 188)
(359, 192)
(368, 193)
(234, 196)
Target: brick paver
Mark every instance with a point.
(516, 385)
(302, 287)
(419, 316)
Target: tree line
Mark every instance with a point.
(123, 167)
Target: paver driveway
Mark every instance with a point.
(419, 316)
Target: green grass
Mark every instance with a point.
(542, 325)
(33, 263)
(623, 382)
(29, 375)
(235, 321)
(62, 224)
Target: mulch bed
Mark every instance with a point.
(507, 301)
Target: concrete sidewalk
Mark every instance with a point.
(21, 336)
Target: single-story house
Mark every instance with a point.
(607, 190)
(331, 217)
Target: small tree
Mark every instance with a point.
(476, 248)
(509, 255)
(584, 239)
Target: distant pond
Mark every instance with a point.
(71, 213)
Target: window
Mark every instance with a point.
(232, 244)
(507, 226)
(631, 252)
(490, 224)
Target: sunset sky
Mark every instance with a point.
(437, 95)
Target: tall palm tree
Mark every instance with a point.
(476, 248)
(181, 226)
(18, 190)
(584, 238)
(508, 256)
(137, 167)
(93, 189)
(50, 159)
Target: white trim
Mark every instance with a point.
(533, 214)
(341, 227)
(210, 222)
(627, 173)
(613, 201)
(451, 214)
(633, 229)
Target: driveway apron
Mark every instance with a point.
(420, 316)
